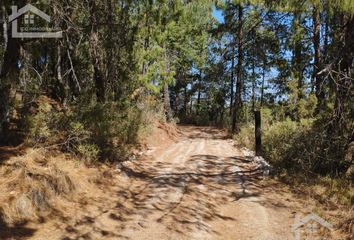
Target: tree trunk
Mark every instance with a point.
(167, 103)
(298, 65)
(326, 32)
(110, 40)
(9, 66)
(64, 83)
(166, 93)
(348, 50)
(254, 86)
(4, 24)
(145, 66)
(344, 82)
(185, 102)
(191, 107)
(258, 132)
(239, 83)
(317, 80)
(199, 91)
(232, 82)
(95, 55)
(263, 83)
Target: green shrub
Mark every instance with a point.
(88, 152)
(298, 145)
(52, 128)
(113, 128)
(39, 126)
(91, 131)
(304, 146)
(246, 136)
(278, 142)
(202, 119)
(153, 110)
(267, 118)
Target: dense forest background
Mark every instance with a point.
(94, 91)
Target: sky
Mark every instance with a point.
(218, 14)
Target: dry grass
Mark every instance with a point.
(161, 133)
(36, 184)
(29, 185)
(169, 128)
(332, 197)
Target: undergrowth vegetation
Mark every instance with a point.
(304, 154)
(91, 131)
(31, 186)
(120, 65)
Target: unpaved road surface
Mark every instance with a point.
(199, 187)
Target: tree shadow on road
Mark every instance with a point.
(17, 231)
(205, 133)
(183, 199)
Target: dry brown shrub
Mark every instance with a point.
(29, 187)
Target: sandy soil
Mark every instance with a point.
(198, 187)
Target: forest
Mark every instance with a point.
(292, 59)
(119, 65)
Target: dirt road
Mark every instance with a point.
(200, 187)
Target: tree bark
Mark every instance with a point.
(185, 101)
(298, 65)
(64, 83)
(110, 42)
(254, 86)
(326, 31)
(167, 102)
(145, 66)
(199, 91)
(348, 49)
(95, 55)
(317, 80)
(232, 82)
(344, 82)
(263, 83)
(9, 66)
(258, 132)
(239, 82)
(4, 24)
(166, 93)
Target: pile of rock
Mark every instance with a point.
(260, 161)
